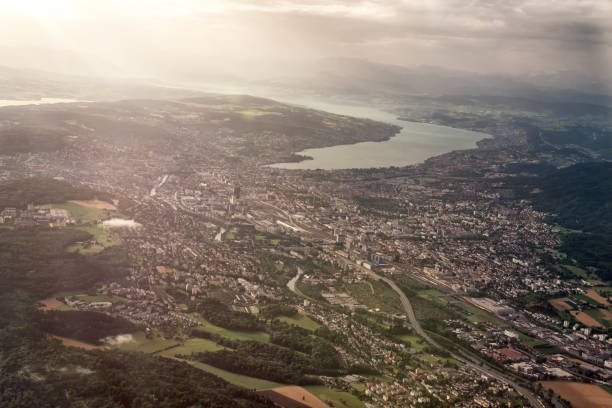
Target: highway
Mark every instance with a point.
(465, 358)
(533, 400)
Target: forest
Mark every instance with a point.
(34, 259)
(39, 372)
(90, 327)
(30, 140)
(218, 314)
(37, 190)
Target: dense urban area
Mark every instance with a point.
(151, 236)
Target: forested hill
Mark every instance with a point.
(38, 372)
(580, 196)
(39, 190)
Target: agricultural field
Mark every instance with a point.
(141, 343)
(301, 395)
(84, 215)
(590, 309)
(230, 334)
(76, 343)
(339, 399)
(580, 395)
(585, 319)
(592, 294)
(560, 304)
(579, 272)
(301, 320)
(191, 346)
(244, 381)
(100, 298)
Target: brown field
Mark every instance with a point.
(51, 304)
(301, 395)
(605, 314)
(585, 319)
(560, 304)
(76, 343)
(97, 204)
(161, 269)
(597, 297)
(597, 283)
(580, 395)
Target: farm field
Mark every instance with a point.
(581, 395)
(300, 395)
(82, 214)
(597, 297)
(603, 316)
(340, 399)
(141, 343)
(244, 381)
(560, 304)
(585, 319)
(191, 346)
(76, 343)
(301, 321)
(230, 334)
(96, 204)
(100, 298)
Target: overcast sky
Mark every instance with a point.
(187, 37)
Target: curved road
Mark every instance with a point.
(533, 400)
(465, 358)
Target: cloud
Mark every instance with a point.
(160, 37)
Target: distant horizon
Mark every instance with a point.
(274, 38)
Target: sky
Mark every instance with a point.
(268, 38)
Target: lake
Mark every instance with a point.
(41, 101)
(415, 143)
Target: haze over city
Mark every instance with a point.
(306, 204)
(186, 39)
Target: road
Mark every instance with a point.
(533, 400)
(465, 358)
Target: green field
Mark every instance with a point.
(191, 346)
(579, 272)
(596, 314)
(430, 293)
(100, 298)
(230, 334)
(301, 321)
(141, 343)
(477, 315)
(587, 299)
(104, 238)
(173, 348)
(437, 359)
(339, 399)
(383, 297)
(236, 379)
(82, 214)
(415, 342)
(530, 341)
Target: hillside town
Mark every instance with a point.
(240, 231)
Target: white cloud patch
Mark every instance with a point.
(188, 37)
